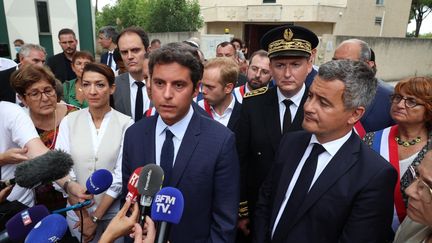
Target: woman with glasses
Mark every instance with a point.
(407, 142)
(417, 227)
(72, 89)
(94, 138)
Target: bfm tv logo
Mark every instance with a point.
(163, 203)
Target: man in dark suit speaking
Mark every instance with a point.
(326, 185)
(197, 154)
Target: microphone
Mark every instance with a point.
(132, 185)
(50, 229)
(96, 184)
(18, 227)
(150, 182)
(6, 183)
(167, 208)
(51, 166)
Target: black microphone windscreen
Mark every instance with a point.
(48, 167)
(150, 180)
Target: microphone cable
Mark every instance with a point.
(82, 224)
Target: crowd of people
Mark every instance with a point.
(264, 146)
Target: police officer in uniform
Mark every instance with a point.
(267, 114)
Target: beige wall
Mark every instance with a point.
(396, 58)
(341, 17)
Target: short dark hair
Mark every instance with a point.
(180, 53)
(82, 54)
(260, 53)
(225, 43)
(137, 30)
(101, 69)
(109, 32)
(237, 40)
(66, 31)
(155, 41)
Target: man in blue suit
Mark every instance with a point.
(197, 154)
(326, 185)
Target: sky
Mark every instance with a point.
(425, 28)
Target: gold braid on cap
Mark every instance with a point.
(289, 44)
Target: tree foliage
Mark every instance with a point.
(152, 15)
(420, 9)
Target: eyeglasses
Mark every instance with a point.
(37, 95)
(409, 102)
(424, 189)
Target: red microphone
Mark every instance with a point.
(132, 194)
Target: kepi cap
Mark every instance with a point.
(289, 40)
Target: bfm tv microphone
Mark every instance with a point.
(18, 227)
(168, 209)
(96, 184)
(132, 185)
(52, 228)
(51, 166)
(150, 182)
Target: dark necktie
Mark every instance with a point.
(110, 57)
(303, 183)
(287, 116)
(167, 156)
(139, 102)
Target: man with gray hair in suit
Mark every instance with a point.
(107, 38)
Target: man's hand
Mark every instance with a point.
(89, 229)
(150, 229)
(243, 225)
(13, 156)
(4, 193)
(121, 224)
(77, 193)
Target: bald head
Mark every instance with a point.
(353, 49)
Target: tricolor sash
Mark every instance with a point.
(385, 144)
(239, 93)
(359, 129)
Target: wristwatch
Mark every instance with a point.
(94, 219)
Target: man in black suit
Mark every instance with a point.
(268, 113)
(326, 185)
(107, 37)
(60, 64)
(219, 78)
(28, 54)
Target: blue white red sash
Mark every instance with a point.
(385, 144)
(150, 112)
(239, 93)
(205, 105)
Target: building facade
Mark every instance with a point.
(250, 19)
(39, 21)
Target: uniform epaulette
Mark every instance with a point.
(255, 92)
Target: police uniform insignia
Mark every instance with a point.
(288, 34)
(256, 92)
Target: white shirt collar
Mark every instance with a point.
(178, 129)
(132, 80)
(228, 109)
(332, 147)
(296, 99)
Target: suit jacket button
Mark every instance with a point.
(259, 153)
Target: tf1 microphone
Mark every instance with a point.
(51, 166)
(6, 183)
(167, 208)
(50, 229)
(132, 185)
(150, 182)
(18, 227)
(96, 184)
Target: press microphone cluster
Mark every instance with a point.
(96, 184)
(133, 185)
(167, 208)
(52, 228)
(49, 167)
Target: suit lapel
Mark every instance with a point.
(187, 147)
(343, 160)
(271, 118)
(235, 115)
(126, 94)
(149, 135)
(288, 171)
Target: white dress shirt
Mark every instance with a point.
(296, 99)
(133, 91)
(178, 129)
(331, 148)
(225, 117)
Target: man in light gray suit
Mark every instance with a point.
(130, 96)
